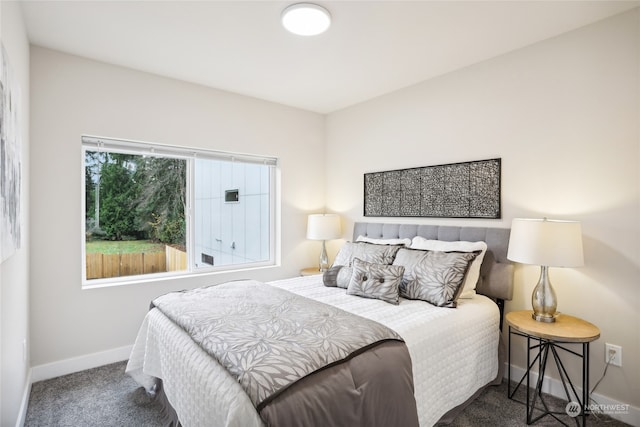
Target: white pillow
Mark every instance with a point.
(473, 275)
(404, 242)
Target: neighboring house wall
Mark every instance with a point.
(231, 232)
(72, 96)
(14, 272)
(563, 115)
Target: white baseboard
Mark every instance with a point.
(22, 415)
(615, 409)
(80, 363)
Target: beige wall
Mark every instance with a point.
(72, 96)
(563, 115)
(14, 272)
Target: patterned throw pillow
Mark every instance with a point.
(473, 274)
(377, 281)
(433, 276)
(375, 254)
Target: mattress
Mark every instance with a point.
(454, 353)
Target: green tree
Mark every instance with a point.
(136, 195)
(161, 200)
(118, 193)
(90, 199)
(94, 160)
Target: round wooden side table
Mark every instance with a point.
(311, 271)
(549, 338)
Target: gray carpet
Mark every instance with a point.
(98, 397)
(105, 396)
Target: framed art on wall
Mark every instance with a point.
(455, 190)
(10, 161)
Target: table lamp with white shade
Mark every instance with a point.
(547, 243)
(323, 227)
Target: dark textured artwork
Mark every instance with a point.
(457, 190)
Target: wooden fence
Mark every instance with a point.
(100, 266)
(175, 259)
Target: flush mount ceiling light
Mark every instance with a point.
(306, 19)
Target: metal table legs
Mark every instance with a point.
(546, 348)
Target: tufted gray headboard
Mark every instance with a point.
(496, 273)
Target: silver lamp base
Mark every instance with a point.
(544, 299)
(324, 259)
(545, 319)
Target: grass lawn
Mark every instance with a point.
(123, 247)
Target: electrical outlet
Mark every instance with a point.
(613, 353)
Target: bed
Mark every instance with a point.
(201, 392)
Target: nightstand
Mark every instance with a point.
(311, 271)
(548, 339)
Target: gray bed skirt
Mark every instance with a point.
(169, 415)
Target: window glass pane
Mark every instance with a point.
(158, 209)
(232, 216)
(134, 214)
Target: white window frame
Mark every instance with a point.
(95, 143)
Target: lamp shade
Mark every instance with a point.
(323, 227)
(544, 242)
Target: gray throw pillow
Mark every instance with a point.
(330, 276)
(433, 276)
(337, 276)
(377, 281)
(376, 254)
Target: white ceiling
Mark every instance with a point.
(372, 47)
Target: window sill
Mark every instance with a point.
(163, 277)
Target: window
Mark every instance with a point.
(152, 209)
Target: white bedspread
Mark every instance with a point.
(454, 352)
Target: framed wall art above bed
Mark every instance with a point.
(455, 190)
